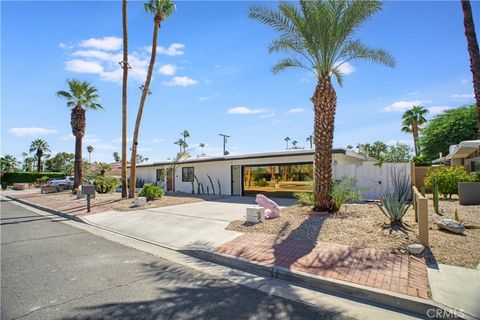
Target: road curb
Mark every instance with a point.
(39, 207)
(328, 285)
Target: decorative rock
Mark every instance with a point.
(255, 214)
(451, 225)
(416, 248)
(140, 201)
(269, 204)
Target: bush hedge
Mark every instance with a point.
(447, 179)
(106, 184)
(28, 177)
(151, 192)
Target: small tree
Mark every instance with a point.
(116, 157)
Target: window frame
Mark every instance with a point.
(185, 174)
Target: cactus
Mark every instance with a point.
(219, 187)
(435, 197)
(208, 191)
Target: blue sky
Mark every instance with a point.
(213, 76)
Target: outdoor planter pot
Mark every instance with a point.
(469, 193)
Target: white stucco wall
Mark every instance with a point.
(220, 171)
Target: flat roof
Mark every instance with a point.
(284, 153)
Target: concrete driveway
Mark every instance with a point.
(185, 226)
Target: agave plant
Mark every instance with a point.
(394, 208)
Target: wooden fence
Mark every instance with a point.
(420, 205)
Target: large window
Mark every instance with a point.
(187, 174)
(160, 174)
(277, 180)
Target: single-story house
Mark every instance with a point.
(466, 153)
(277, 174)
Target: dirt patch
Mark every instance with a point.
(68, 202)
(364, 225)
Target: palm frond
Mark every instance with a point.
(357, 50)
(288, 63)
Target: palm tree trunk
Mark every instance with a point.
(133, 161)
(415, 140)
(474, 53)
(78, 162)
(39, 162)
(324, 101)
(124, 99)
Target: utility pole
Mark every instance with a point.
(225, 152)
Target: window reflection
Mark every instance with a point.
(277, 180)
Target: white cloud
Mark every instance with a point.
(183, 81)
(68, 137)
(266, 115)
(245, 110)
(296, 110)
(437, 109)
(102, 55)
(168, 69)
(105, 43)
(83, 66)
(175, 49)
(412, 93)
(31, 131)
(403, 105)
(462, 96)
(464, 81)
(206, 98)
(346, 68)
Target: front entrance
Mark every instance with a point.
(170, 179)
(236, 180)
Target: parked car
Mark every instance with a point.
(61, 184)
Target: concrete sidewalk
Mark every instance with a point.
(456, 287)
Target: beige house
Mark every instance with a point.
(276, 173)
(466, 153)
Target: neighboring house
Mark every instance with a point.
(276, 173)
(466, 153)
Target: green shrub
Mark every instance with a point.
(151, 192)
(393, 207)
(447, 179)
(345, 190)
(304, 198)
(421, 161)
(261, 183)
(29, 177)
(106, 184)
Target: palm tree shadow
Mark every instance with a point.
(181, 293)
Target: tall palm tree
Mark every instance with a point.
(474, 53)
(90, 150)
(8, 163)
(310, 140)
(125, 67)
(39, 147)
(185, 134)
(202, 145)
(80, 97)
(294, 144)
(116, 157)
(161, 9)
(321, 36)
(180, 144)
(287, 139)
(412, 121)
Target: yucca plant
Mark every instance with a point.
(394, 208)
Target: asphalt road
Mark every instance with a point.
(50, 270)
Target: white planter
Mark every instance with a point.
(255, 214)
(140, 201)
